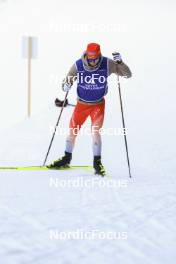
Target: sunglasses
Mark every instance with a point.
(93, 60)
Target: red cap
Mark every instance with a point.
(93, 50)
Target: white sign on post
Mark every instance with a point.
(29, 52)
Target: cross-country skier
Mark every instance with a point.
(91, 72)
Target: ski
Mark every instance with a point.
(35, 168)
(44, 168)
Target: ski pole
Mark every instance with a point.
(123, 122)
(55, 129)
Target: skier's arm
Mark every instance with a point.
(71, 77)
(119, 68)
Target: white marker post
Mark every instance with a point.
(29, 52)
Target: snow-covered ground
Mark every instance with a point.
(36, 205)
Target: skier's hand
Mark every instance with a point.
(66, 87)
(117, 57)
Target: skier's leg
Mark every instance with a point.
(81, 112)
(79, 116)
(97, 119)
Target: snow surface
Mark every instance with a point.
(31, 207)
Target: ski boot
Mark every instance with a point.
(63, 162)
(99, 169)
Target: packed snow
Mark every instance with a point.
(39, 209)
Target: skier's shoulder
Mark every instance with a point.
(79, 61)
(78, 65)
(105, 58)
